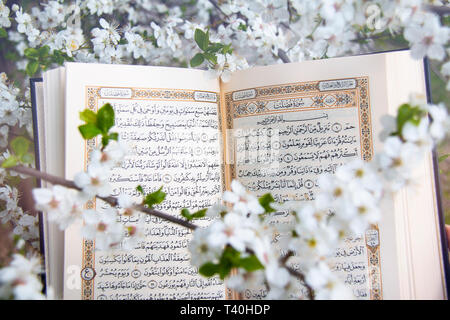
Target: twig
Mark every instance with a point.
(216, 5)
(301, 276)
(281, 53)
(436, 72)
(297, 274)
(439, 10)
(110, 200)
(291, 11)
(283, 56)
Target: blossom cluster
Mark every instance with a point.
(20, 280)
(346, 205)
(14, 113)
(161, 33)
(64, 206)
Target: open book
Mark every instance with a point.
(193, 135)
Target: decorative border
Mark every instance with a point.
(373, 258)
(88, 257)
(93, 94)
(355, 96)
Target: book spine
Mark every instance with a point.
(33, 82)
(441, 213)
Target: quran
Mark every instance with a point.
(193, 135)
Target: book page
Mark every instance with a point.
(52, 161)
(287, 124)
(418, 218)
(169, 117)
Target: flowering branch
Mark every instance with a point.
(440, 10)
(296, 273)
(55, 180)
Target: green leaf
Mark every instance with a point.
(225, 269)
(407, 113)
(32, 67)
(155, 197)
(105, 118)
(3, 33)
(43, 51)
(105, 140)
(140, 189)
(58, 57)
(88, 116)
(232, 255)
(228, 260)
(199, 214)
(210, 57)
(27, 158)
(114, 136)
(215, 47)
(20, 146)
(250, 263)
(202, 39)
(196, 215)
(197, 60)
(227, 49)
(31, 53)
(265, 202)
(242, 27)
(208, 269)
(10, 162)
(89, 131)
(443, 157)
(185, 213)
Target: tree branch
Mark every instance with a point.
(439, 10)
(216, 5)
(110, 200)
(297, 274)
(283, 56)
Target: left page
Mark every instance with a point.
(169, 118)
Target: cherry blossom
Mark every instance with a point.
(95, 181)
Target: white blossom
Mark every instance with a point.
(427, 39)
(20, 279)
(4, 136)
(397, 161)
(243, 280)
(111, 156)
(95, 181)
(232, 230)
(4, 15)
(201, 249)
(441, 122)
(63, 206)
(418, 134)
(103, 228)
(243, 201)
(326, 284)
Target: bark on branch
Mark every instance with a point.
(110, 200)
(297, 274)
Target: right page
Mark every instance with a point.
(287, 124)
